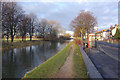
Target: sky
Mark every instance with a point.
(64, 12)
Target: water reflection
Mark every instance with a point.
(16, 62)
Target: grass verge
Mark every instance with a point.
(20, 39)
(78, 64)
(49, 68)
(10, 45)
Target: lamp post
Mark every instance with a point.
(95, 30)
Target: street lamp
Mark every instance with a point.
(95, 31)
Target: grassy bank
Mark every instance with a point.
(79, 66)
(51, 67)
(9, 45)
(19, 43)
(20, 39)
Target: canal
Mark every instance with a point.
(16, 62)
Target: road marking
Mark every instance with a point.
(114, 48)
(109, 54)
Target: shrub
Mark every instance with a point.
(117, 34)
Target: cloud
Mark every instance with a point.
(64, 12)
(119, 13)
(44, 1)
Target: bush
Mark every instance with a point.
(117, 34)
(77, 41)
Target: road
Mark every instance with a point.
(105, 57)
(111, 50)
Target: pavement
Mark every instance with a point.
(106, 60)
(92, 71)
(66, 71)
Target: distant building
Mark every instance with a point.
(107, 34)
(99, 35)
(114, 30)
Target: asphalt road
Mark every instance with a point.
(106, 60)
(111, 50)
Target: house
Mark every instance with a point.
(108, 32)
(98, 36)
(102, 34)
(114, 29)
(105, 34)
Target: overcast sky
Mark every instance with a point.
(64, 12)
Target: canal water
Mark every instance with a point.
(16, 62)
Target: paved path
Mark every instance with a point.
(66, 71)
(92, 71)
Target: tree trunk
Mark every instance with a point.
(12, 38)
(7, 38)
(25, 37)
(81, 37)
(22, 38)
(88, 33)
(43, 34)
(30, 37)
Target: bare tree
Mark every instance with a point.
(0, 13)
(42, 27)
(77, 32)
(48, 29)
(54, 28)
(32, 25)
(5, 28)
(11, 17)
(1, 19)
(23, 26)
(85, 21)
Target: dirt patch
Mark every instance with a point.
(66, 71)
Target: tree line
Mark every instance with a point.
(16, 23)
